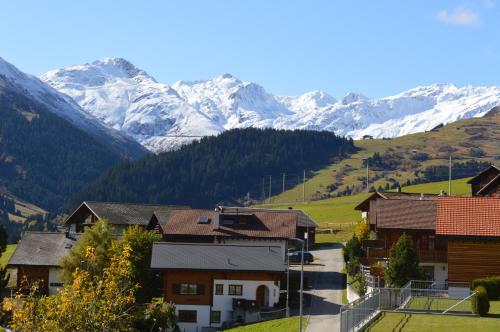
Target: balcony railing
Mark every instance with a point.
(434, 256)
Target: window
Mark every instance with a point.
(236, 290)
(187, 316)
(215, 317)
(188, 289)
(219, 289)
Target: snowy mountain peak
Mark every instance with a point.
(353, 97)
(161, 117)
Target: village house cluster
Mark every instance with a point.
(457, 238)
(218, 266)
(224, 265)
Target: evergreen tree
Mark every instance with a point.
(403, 263)
(4, 275)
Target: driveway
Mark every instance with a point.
(326, 282)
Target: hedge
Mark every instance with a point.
(480, 302)
(491, 284)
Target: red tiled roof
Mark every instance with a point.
(468, 216)
(405, 214)
(258, 223)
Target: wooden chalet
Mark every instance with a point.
(215, 285)
(37, 257)
(471, 228)
(486, 183)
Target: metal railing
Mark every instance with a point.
(416, 296)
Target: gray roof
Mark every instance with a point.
(303, 220)
(41, 249)
(122, 213)
(216, 257)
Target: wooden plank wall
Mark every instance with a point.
(468, 260)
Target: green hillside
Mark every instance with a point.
(421, 157)
(339, 214)
(217, 169)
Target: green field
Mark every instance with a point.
(339, 214)
(437, 304)
(6, 255)
(277, 325)
(457, 139)
(428, 322)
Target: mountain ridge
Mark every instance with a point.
(162, 116)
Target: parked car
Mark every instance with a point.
(294, 257)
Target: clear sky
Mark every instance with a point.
(376, 48)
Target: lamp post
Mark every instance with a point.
(301, 281)
(288, 284)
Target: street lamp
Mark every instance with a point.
(301, 281)
(288, 284)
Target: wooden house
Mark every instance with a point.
(216, 285)
(486, 183)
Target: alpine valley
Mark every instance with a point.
(162, 117)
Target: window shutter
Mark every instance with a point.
(176, 288)
(201, 289)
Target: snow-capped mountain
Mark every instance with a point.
(65, 107)
(162, 117)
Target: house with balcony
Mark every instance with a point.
(218, 285)
(414, 215)
(235, 225)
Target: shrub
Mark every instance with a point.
(360, 284)
(362, 230)
(491, 284)
(480, 302)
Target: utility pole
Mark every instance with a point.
(270, 189)
(367, 178)
(449, 178)
(304, 187)
(263, 191)
(283, 182)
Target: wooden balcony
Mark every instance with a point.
(425, 256)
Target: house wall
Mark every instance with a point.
(33, 274)
(469, 260)
(479, 183)
(224, 303)
(440, 271)
(311, 231)
(202, 316)
(204, 303)
(55, 282)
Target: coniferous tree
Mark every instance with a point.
(403, 263)
(4, 275)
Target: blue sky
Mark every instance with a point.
(376, 48)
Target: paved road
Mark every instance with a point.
(326, 280)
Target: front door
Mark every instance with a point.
(262, 296)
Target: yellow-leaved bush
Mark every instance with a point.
(89, 303)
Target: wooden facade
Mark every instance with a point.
(32, 274)
(205, 281)
(469, 260)
(430, 249)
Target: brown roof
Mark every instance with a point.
(468, 216)
(404, 214)
(243, 223)
(492, 169)
(365, 204)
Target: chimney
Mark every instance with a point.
(216, 220)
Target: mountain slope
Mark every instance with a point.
(215, 169)
(64, 107)
(415, 158)
(45, 158)
(128, 99)
(156, 115)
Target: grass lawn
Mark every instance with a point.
(426, 303)
(6, 255)
(428, 322)
(277, 325)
